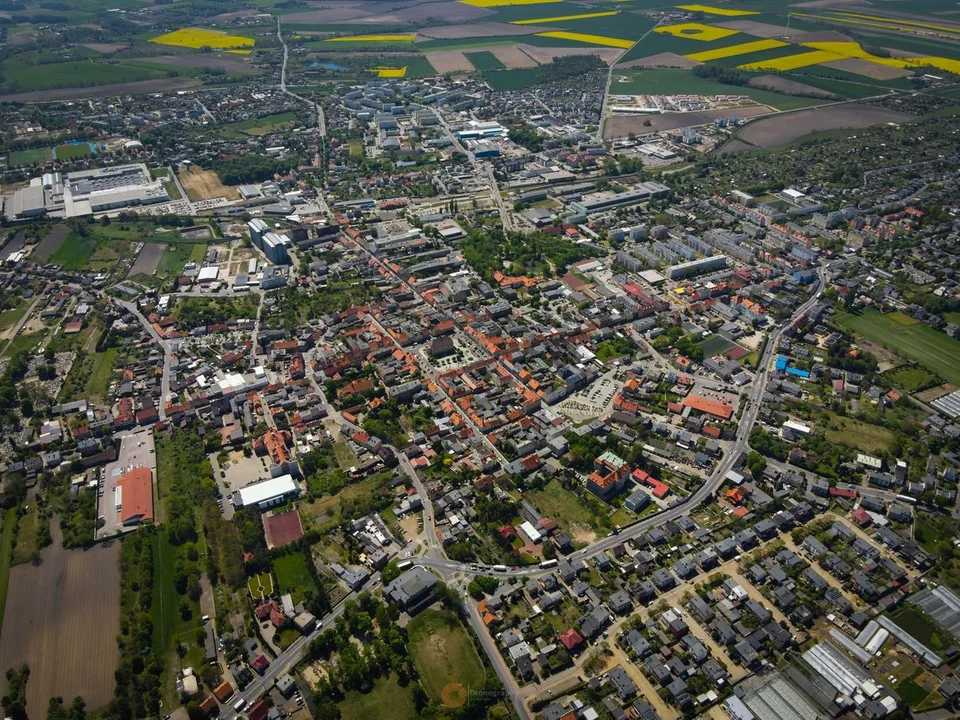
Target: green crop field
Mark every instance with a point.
(918, 342)
(443, 653)
(75, 251)
(485, 61)
(25, 78)
(511, 79)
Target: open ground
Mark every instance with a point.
(148, 259)
(62, 619)
(51, 243)
(443, 653)
(203, 184)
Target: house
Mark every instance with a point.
(620, 603)
(609, 476)
(622, 683)
(571, 640)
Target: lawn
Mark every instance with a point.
(557, 502)
(932, 349)
(293, 576)
(25, 546)
(716, 345)
(6, 548)
(11, 317)
(485, 60)
(165, 607)
(922, 629)
(73, 151)
(443, 653)
(386, 693)
(260, 586)
(25, 342)
(911, 379)
(176, 256)
(860, 435)
(75, 251)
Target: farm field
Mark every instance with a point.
(84, 73)
(74, 252)
(49, 624)
(516, 79)
(918, 342)
(197, 38)
(443, 653)
(148, 259)
(9, 318)
(386, 693)
(51, 243)
(485, 61)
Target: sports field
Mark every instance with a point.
(444, 655)
(908, 337)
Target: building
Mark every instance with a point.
(609, 476)
(599, 202)
(696, 267)
(134, 495)
(267, 493)
(412, 589)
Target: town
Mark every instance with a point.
(349, 375)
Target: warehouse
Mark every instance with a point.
(267, 493)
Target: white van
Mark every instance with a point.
(240, 704)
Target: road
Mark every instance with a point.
(606, 87)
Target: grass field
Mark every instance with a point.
(262, 125)
(25, 546)
(178, 255)
(485, 61)
(9, 318)
(6, 550)
(75, 251)
(101, 371)
(202, 184)
(386, 693)
(443, 653)
(911, 379)
(165, 608)
(555, 501)
(87, 73)
(860, 435)
(918, 342)
(716, 345)
(33, 156)
(73, 151)
(293, 576)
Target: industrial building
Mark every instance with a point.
(696, 267)
(274, 246)
(86, 192)
(267, 493)
(642, 192)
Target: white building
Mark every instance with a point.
(267, 493)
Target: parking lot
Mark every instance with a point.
(592, 401)
(136, 450)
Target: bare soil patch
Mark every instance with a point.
(435, 12)
(148, 260)
(618, 126)
(141, 87)
(782, 129)
(62, 619)
(327, 15)
(868, 69)
(545, 55)
(661, 60)
(106, 48)
(206, 60)
(781, 84)
(753, 27)
(933, 393)
(480, 29)
(513, 56)
(51, 243)
(204, 184)
(448, 61)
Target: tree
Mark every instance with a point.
(757, 463)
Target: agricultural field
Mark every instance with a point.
(443, 653)
(49, 624)
(485, 61)
(197, 38)
(75, 251)
(907, 337)
(201, 184)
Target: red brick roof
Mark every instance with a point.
(706, 405)
(136, 496)
(570, 639)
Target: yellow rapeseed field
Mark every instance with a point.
(734, 50)
(561, 18)
(852, 49)
(792, 62)
(696, 31)
(710, 10)
(385, 72)
(505, 3)
(400, 37)
(196, 38)
(589, 39)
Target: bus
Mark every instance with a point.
(499, 568)
(548, 564)
(404, 564)
(907, 499)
